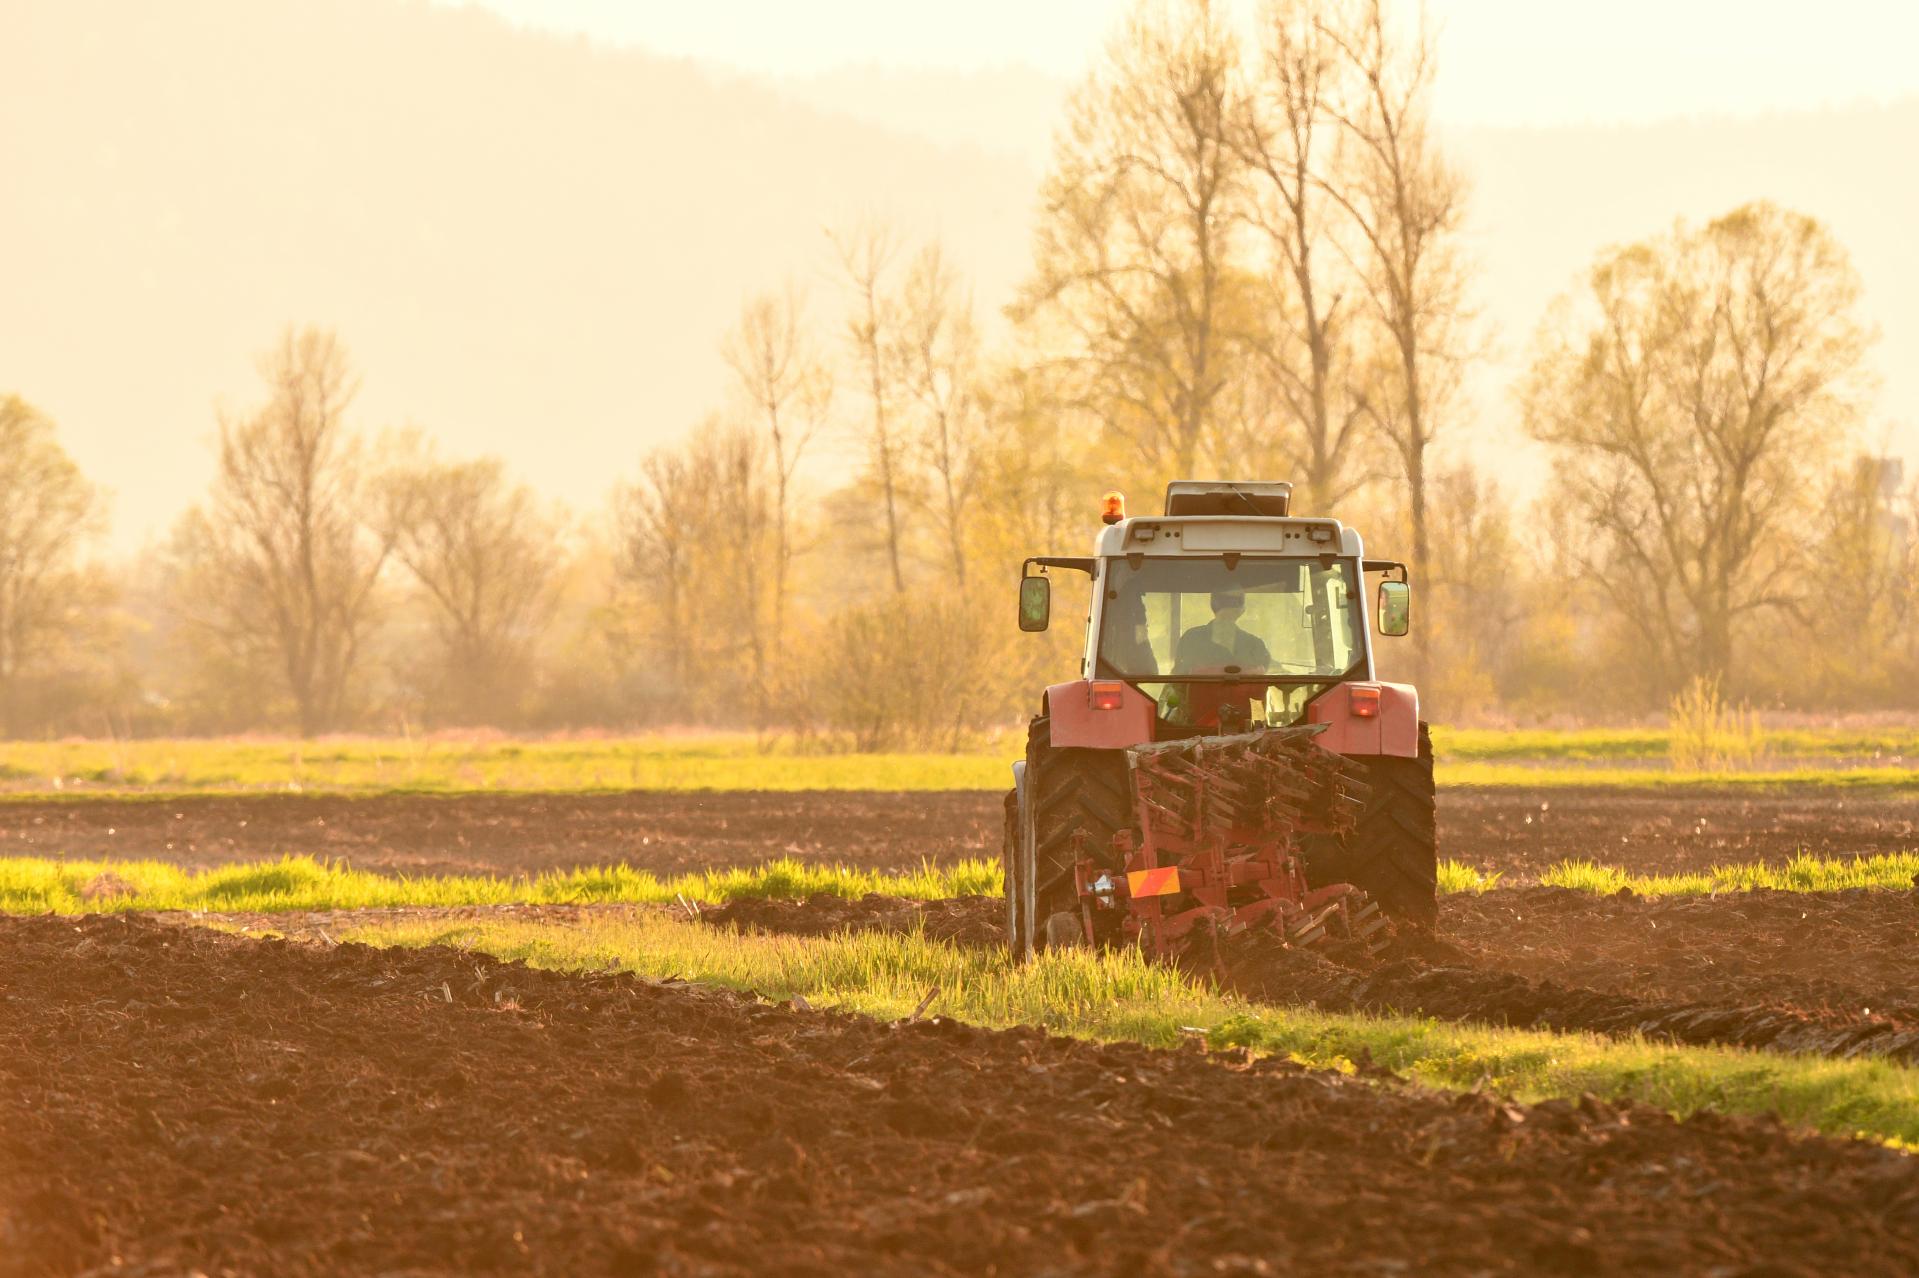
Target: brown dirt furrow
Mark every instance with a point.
(172, 1099)
(966, 920)
(1516, 832)
(667, 832)
(1824, 973)
(1505, 998)
(328, 926)
(1522, 833)
(1844, 959)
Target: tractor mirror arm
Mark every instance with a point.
(1386, 566)
(1077, 563)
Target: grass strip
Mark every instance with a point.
(1592, 745)
(1119, 995)
(1804, 873)
(1521, 776)
(34, 885)
(39, 885)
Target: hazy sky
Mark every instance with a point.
(533, 249)
(1506, 61)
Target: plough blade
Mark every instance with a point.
(1225, 815)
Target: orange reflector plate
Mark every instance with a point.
(1161, 882)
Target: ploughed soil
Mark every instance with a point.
(173, 1100)
(664, 831)
(1833, 973)
(966, 920)
(1518, 832)
(1523, 832)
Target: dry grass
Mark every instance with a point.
(1718, 746)
(1709, 734)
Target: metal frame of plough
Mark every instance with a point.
(1220, 822)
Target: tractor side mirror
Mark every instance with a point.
(1035, 603)
(1395, 608)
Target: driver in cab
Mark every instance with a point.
(1220, 643)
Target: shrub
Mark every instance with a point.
(1707, 734)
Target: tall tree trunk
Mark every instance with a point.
(888, 483)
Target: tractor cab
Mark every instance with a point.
(1228, 612)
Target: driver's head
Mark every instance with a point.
(1228, 604)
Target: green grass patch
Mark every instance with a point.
(1804, 873)
(1117, 995)
(1599, 745)
(33, 885)
(1585, 745)
(1457, 876)
(1524, 776)
(38, 885)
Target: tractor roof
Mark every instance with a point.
(1227, 534)
(1264, 498)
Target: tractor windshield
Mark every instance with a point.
(1230, 616)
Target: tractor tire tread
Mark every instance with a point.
(1073, 791)
(1393, 854)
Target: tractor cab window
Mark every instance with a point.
(1200, 617)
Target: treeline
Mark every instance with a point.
(1247, 264)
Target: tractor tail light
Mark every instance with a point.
(1365, 703)
(1112, 508)
(1106, 696)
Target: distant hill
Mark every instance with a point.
(532, 244)
(1007, 110)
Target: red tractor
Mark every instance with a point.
(1227, 763)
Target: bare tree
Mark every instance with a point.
(1476, 588)
(1407, 206)
(692, 548)
(865, 256)
(1860, 591)
(739, 550)
(1694, 403)
(1285, 135)
(941, 374)
(486, 558)
(280, 564)
(660, 522)
(1134, 256)
(791, 389)
(47, 512)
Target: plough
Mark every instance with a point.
(1218, 847)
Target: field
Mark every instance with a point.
(1838, 757)
(540, 1023)
(1507, 829)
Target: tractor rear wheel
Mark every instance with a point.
(1080, 799)
(1393, 855)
